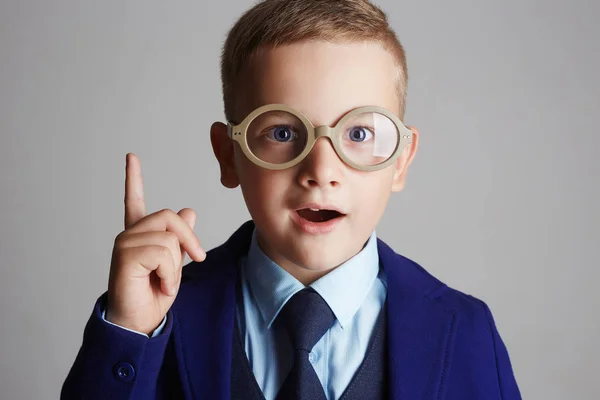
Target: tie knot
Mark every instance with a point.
(306, 317)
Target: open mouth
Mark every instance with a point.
(314, 215)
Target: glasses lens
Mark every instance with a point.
(369, 138)
(276, 137)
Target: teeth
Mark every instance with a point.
(314, 209)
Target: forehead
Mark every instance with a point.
(323, 80)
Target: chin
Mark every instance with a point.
(311, 252)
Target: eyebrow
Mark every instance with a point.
(278, 114)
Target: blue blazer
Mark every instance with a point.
(443, 344)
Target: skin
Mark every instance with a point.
(147, 258)
(324, 81)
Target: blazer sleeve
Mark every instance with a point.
(114, 363)
(479, 367)
(506, 378)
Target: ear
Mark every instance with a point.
(223, 148)
(404, 161)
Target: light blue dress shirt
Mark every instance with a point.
(355, 291)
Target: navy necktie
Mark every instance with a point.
(306, 317)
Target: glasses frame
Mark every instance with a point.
(238, 133)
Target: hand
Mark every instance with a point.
(147, 258)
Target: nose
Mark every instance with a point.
(322, 168)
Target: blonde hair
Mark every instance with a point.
(271, 23)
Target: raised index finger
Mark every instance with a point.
(135, 208)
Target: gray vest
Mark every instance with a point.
(369, 381)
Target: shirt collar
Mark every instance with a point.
(272, 286)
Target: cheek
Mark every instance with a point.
(262, 188)
(373, 191)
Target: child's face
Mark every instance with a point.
(323, 81)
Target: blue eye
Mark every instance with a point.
(282, 134)
(360, 134)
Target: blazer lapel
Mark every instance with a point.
(420, 330)
(202, 340)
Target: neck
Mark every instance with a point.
(304, 274)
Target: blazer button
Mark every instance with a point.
(124, 371)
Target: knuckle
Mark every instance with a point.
(120, 237)
(123, 240)
(167, 212)
(173, 241)
(121, 256)
(171, 238)
(164, 253)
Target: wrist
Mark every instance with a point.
(144, 327)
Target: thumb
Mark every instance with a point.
(189, 216)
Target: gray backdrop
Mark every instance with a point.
(501, 201)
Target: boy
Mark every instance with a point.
(302, 302)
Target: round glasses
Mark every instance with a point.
(276, 136)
